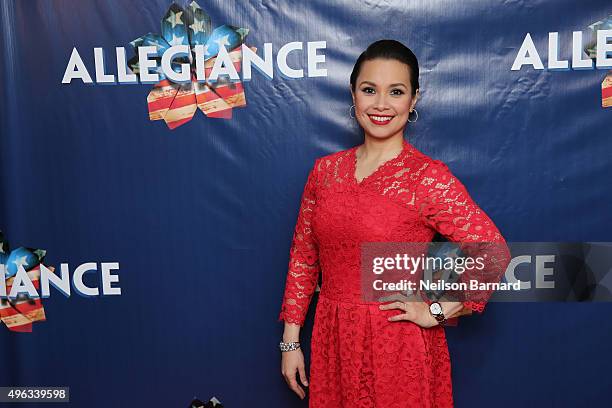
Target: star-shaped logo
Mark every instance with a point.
(591, 50)
(176, 103)
(19, 314)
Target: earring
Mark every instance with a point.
(350, 114)
(416, 118)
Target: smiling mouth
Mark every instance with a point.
(380, 119)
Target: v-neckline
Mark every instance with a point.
(381, 166)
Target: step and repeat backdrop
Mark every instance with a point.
(153, 155)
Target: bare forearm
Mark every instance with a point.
(291, 333)
(453, 309)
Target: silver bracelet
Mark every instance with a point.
(290, 346)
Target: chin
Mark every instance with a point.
(382, 134)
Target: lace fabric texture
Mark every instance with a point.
(358, 357)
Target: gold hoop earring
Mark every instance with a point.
(416, 118)
(352, 116)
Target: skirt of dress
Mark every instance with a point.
(359, 359)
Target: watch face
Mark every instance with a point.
(435, 308)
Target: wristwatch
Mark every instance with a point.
(435, 308)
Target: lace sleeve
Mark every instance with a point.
(446, 206)
(304, 269)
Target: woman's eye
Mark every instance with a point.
(399, 92)
(367, 90)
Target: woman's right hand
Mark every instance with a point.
(292, 362)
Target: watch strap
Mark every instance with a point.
(440, 318)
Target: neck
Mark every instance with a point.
(381, 148)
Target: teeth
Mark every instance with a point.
(381, 118)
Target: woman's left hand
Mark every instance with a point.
(415, 311)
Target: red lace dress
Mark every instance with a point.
(360, 359)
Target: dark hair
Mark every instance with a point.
(389, 49)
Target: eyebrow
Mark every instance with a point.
(372, 83)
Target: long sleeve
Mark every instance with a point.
(304, 268)
(446, 206)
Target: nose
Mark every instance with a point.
(381, 102)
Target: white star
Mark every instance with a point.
(20, 261)
(452, 252)
(194, 6)
(157, 44)
(175, 18)
(223, 41)
(176, 40)
(243, 32)
(198, 26)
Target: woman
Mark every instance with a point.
(367, 354)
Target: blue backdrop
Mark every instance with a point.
(200, 218)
